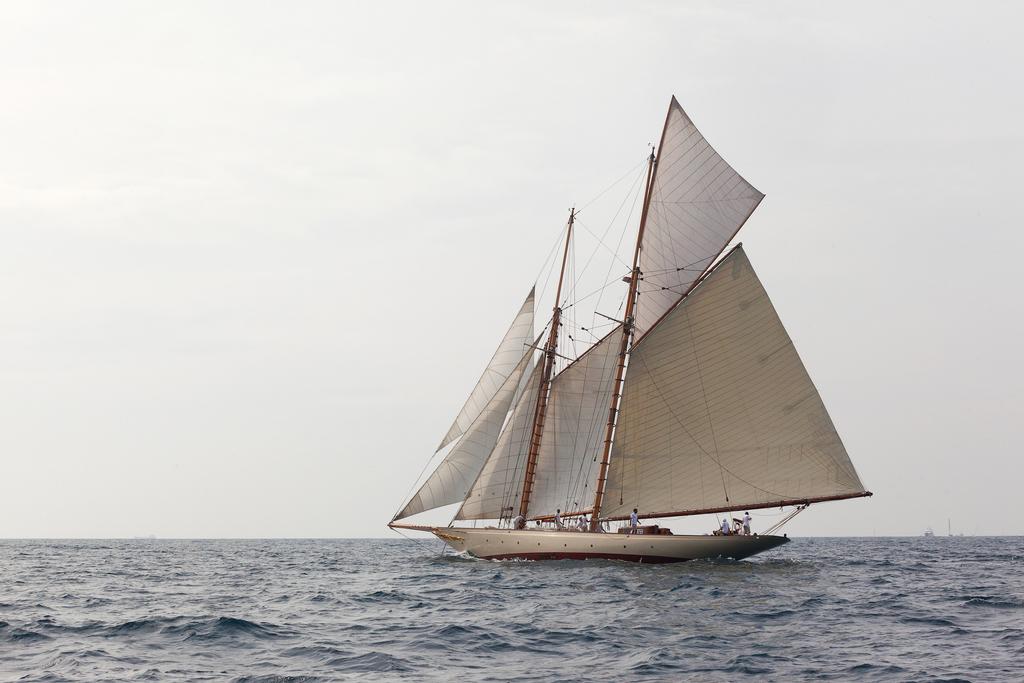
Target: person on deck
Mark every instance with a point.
(519, 522)
(558, 519)
(634, 521)
(746, 523)
(725, 526)
(582, 523)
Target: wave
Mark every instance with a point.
(277, 678)
(992, 601)
(370, 662)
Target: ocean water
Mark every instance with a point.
(322, 610)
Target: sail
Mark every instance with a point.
(498, 488)
(574, 430)
(697, 204)
(718, 411)
(454, 476)
(509, 352)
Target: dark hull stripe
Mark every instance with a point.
(645, 559)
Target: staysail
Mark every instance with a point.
(719, 413)
(454, 476)
(574, 430)
(697, 205)
(496, 491)
(502, 363)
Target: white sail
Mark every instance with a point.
(697, 205)
(454, 476)
(574, 431)
(498, 488)
(509, 352)
(719, 412)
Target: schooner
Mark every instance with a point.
(696, 401)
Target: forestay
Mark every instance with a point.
(697, 204)
(719, 412)
(574, 430)
(509, 352)
(454, 476)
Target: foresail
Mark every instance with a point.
(697, 205)
(498, 488)
(574, 430)
(509, 352)
(454, 476)
(719, 412)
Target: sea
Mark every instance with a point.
(847, 609)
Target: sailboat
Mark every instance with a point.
(694, 403)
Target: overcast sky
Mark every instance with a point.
(253, 256)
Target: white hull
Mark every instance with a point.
(544, 544)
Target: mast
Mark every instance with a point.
(540, 411)
(627, 331)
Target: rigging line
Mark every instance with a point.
(688, 266)
(618, 246)
(601, 240)
(595, 292)
(778, 525)
(608, 189)
(600, 243)
(550, 268)
(632, 191)
(408, 493)
(410, 538)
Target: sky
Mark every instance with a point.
(253, 256)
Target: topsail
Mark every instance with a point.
(698, 203)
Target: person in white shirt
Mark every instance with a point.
(558, 519)
(746, 523)
(582, 523)
(634, 522)
(725, 526)
(519, 522)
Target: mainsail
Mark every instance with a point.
(505, 359)
(451, 480)
(719, 412)
(574, 430)
(697, 205)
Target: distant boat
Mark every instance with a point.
(716, 414)
(928, 532)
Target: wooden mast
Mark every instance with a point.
(540, 410)
(627, 331)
